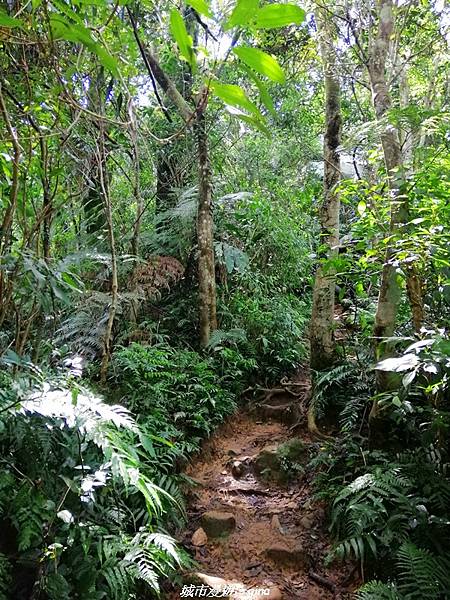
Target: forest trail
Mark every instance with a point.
(278, 536)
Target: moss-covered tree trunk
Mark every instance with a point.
(322, 318)
(205, 235)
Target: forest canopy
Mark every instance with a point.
(203, 202)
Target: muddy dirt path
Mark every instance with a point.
(250, 527)
(253, 531)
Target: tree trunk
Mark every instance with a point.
(414, 282)
(390, 288)
(322, 318)
(6, 225)
(175, 160)
(103, 179)
(47, 200)
(95, 217)
(7, 222)
(136, 182)
(205, 236)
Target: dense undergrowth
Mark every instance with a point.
(389, 503)
(388, 498)
(110, 374)
(90, 490)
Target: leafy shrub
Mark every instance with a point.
(235, 370)
(390, 507)
(274, 325)
(420, 405)
(176, 392)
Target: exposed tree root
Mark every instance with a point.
(312, 425)
(267, 393)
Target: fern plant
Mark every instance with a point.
(377, 590)
(372, 514)
(92, 511)
(419, 574)
(331, 389)
(422, 574)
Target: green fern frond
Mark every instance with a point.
(118, 579)
(141, 565)
(165, 543)
(376, 590)
(421, 573)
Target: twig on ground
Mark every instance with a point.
(323, 581)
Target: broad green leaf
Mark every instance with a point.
(66, 10)
(272, 16)
(408, 378)
(266, 98)
(59, 292)
(242, 14)
(263, 91)
(233, 95)
(105, 58)
(94, 2)
(253, 121)
(7, 21)
(396, 401)
(71, 281)
(181, 36)
(77, 33)
(398, 364)
(201, 6)
(261, 62)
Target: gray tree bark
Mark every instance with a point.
(390, 287)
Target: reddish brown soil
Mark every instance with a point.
(259, 508)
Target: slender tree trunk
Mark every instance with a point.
(175, 160)
(103, 179)
(47, 200)
(390, 287)
(95, 216)
(5, 232)
(205, 235)
(206, 261)
(322, 318)
(136, 183)
(7, 222)
(414, 281)
(390, 294)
